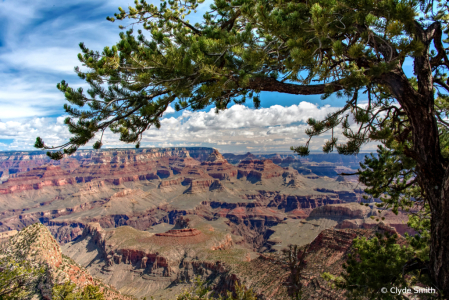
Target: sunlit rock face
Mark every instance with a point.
(117, 213)
(36, 244)
(143, 187)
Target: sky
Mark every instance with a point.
(39, 46)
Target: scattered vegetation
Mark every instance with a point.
(69, 291)
(385, 262)
(375, 264)
(24, 275)
(294, 257)
(19, 277)
(201, 291)
(20, 271)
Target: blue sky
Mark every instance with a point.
(39, 46)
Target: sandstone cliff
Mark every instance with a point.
(141, 188)
(115, 211)
(35, 242)
(145, 264)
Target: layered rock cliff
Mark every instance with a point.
(122, 205)
(36, 243)
(144, 187)
(153, 261)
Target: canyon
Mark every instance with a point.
(36, 245)
(122, 214)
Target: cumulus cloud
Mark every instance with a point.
(237, 129)
(169, 110)
(239, 116)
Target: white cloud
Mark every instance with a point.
(24, 95)
(57, 59)
(169, 110)
(239, 116)
(39, 46)
(274, 128)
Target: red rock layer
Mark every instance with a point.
(199, 186)
(170, 182)
(174, 239)
(118, 167)
(337, 240)
(180, 232)
(259, 169)
(115, 167)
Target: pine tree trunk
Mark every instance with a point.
(439, 248)
(433, 175)
(433, 179)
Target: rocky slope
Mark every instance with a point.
(162, 263)
(37, 243)
(143, 263)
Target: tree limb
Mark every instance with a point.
(436, 61)
(269, 84)
(442, 83)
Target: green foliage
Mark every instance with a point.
(19, 277)
(420, 242)
(65, 291)
(201, 291)
(375, 264)
(382, 262)
(241, 293)
(390, 176)
(69, 291)
(20, 271)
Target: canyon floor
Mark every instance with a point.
(148, 221)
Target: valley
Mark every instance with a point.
(147, 221)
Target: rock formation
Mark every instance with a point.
(258, 169)
(171, 256)
(123, 205)
(114, 167)
(37, 244)
(340, 179)
(349, 210)
(135, 187)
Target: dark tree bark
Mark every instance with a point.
(433, 175)
(272, 85)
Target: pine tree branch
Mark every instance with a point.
(441, 83)
(441, 120)
(269, 84)
(230, 23)
(436, 61)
